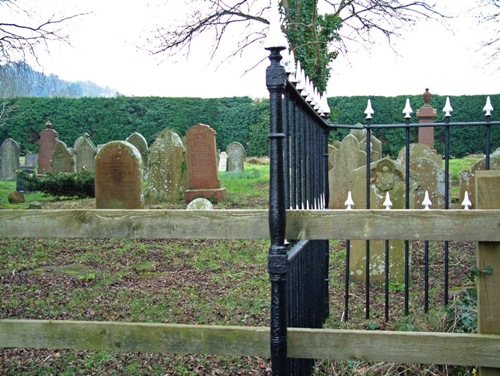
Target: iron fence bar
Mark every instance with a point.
(407, 206)
(367, 243)
(446, 202)
(488, 135)
(286, 159)
(417, 125)
(277, 259)
(293, 155)
(387, 257)
(347, 277)
(426, 276)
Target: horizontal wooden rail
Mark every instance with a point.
(374, 346)
(472, 225)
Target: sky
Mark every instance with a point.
(443, 58)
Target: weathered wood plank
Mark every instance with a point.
(400, 347)
(488, 297)
(473, 225)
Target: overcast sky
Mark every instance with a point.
(443, 58)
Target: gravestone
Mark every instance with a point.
(419, 151)
(223, 161)
(85, 153)
(9, 157)
(31, 160)
(141, 144)
(202, 164)
(167, 168)
(118, 177)
(468, 177)
(235, 157)
(385, 176)
(15, 197)
(77, 142)
(48, 140)
(200, 204)
(62, 158)
(428, 176)
(343, 160)
(375, 146)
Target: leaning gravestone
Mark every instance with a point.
(167, 168)
(85, 153)
(48, 140)
(223, 161)
(141, 144)
(202, 162)
(386, 176)
(235, 157)
(9, 157)
(62, 158)
(118, 177)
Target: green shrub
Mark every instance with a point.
(62, 184)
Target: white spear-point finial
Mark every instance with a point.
(369, 110)
(427, 201)
(466, 202)
(387, 203)
(349, 202)
(447, 108)
(299, 75)
(293, 68)
(325, 108)
(488, 107)
(407, 110)
(275, 36)
(303, 206)
(307, 204)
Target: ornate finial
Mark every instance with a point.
(48, 124)
(427, 97)
(349, 202)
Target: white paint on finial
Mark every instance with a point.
(427, 201)
(387, 203)
(407, 110)
(466, 202)
(447, 108)
(488, 107)
(349, 202)
(275, 36)
(369, 110)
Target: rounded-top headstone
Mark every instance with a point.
(200, 204)
(15, 197)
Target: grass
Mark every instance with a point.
(197, 282)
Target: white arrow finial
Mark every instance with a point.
(349, 202)
(407, 110)
(387, 203)
(488, 107)
(427, 201)
(466, 202)
(447, 108)
(275, 36)
(369, 110)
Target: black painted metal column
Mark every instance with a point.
(277, 260)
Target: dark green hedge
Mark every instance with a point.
(239, 119)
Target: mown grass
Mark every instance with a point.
(193, 282)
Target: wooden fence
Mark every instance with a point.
(482, 225)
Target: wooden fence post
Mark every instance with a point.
(488, 256)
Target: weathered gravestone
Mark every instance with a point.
(62, 158)
(223, 161)
(141, 144)
(419, 151)
(118, 177)
(48, 140)
(202, 162)
(343, 160)
(235, 157)
(385, 176)
(200, 204)
(167, 168)
(85, 153)
(467, 178)
(9, 157)
(31, 160)
(375, 146)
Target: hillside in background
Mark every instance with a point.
(21, 80)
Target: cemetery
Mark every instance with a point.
(193, 260)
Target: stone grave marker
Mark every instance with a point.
(118, 177)
(200, 204)
(62, 158)
(427, 175)
(167, 168)
(9, 157)
(343, 160)
(48, 140)
(223, 161)
(31, 160)
(141, 144)
(202, 164)
(85, 153)
(419, 151)
(235, 157)
(468, 177)
(385, 176)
